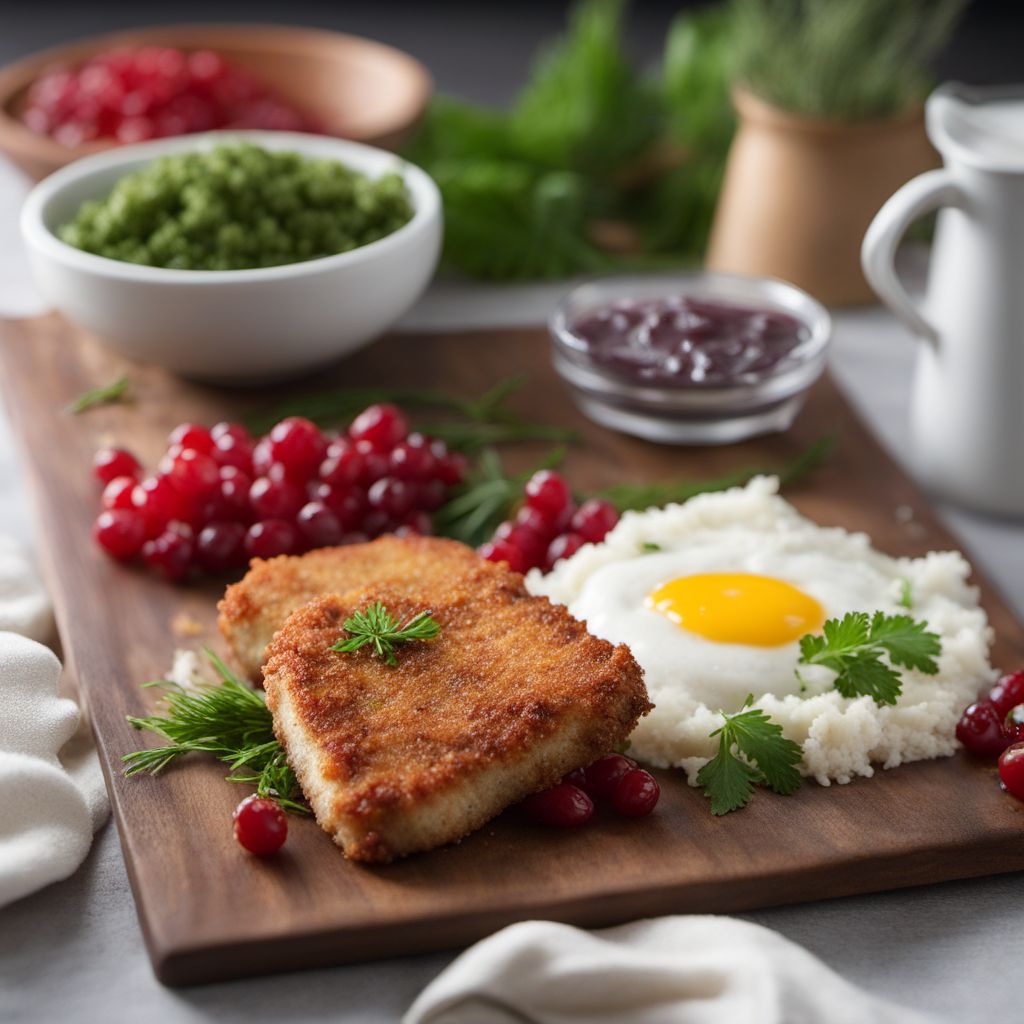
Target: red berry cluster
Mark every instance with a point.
(994, 727)
(614, 779)
(219, 497)
(151, 92)
(549, 526)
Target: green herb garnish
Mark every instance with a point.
(853, 647)
(906, 594)
(472, 423)
(649, 546)
(641, 496)
(106, 394)
(375, 625)
(479, 505)
(751, 750)
(228, 720)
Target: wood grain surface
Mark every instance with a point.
(209, 912)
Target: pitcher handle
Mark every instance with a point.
(920, 195)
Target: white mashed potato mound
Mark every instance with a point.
(752, 530)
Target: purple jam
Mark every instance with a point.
(681, 340)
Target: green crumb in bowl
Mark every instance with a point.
(238, 207)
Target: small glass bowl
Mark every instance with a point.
(690, 412)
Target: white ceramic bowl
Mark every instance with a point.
(232, 326)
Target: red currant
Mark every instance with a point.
(533, 546)
(158, 502)
(451, 467)
(1011, 770)
(233, 492)
(170, 552)
(221, 545)
(382, 425)
(275, 499)
(430, 494)
(232, 450)
(260, 825)
(562, 806)
(562, 546)
(373, 463)
(318, 525)
(504, 551)
(412, 459)
(193, 474)
(390, 495)
(533, 519)
(549, 494)
(120, 532)
(271, 537)
(344, 466)
(348, 505)
(980, 730)
(298, 445)
(636, 794)
(1008, 692)
(593, 519)
(1013, 724)
(419, 523)
(109, 463)
(118, 493)
(191, 435)
(603, 776)
(262, 459)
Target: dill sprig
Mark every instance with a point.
(376, 626)
(474, 423)
(105, 394)
(228, 720)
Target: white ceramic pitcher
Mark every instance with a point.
(967, 409)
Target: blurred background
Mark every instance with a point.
(473, 49)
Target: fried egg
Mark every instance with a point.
(713, 596)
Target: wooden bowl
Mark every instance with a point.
(357, 89)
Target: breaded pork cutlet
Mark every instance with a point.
(253, 609)
(511, 695)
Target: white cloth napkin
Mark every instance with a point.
(52, 796)
(669, 970)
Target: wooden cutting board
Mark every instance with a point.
(209, 912)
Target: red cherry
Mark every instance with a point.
(603, 776)
(383, 425)
(191, 435)
(980, 730)
(562, 806)
(636, 794)
(1011, 770)
(275, 499)
(120, 532)
(271, 537)
(503, 551)
(549, 494)
(1013, 724)
(109, 463)
(1008, 692)
(260, 825)
(593, 519)
(170, 552)
(318, 525)
(298, 445)
(220, 546)
(562, 546)
(118, 493)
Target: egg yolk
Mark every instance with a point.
(738, 608)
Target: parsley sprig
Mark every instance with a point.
(377, 626)
(228, 720)
(751, 750)
(853, 646)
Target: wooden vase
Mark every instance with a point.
(799, 193)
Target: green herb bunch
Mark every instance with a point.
(227, 720)
(842, 59)
(588, 141)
